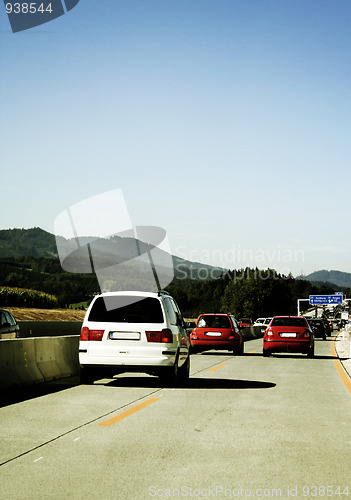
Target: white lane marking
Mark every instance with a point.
(37, 460)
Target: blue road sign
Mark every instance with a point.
(325, 299)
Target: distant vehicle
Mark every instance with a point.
(216, 331)
(245, 322)
(335, 323)
(327, 327)
(288, 334)
(259, 322)
(318, 328)
(9, 328)
(134, 332)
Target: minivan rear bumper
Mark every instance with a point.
(164, 359)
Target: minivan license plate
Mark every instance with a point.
(125, 335)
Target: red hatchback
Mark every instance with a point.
(216, 331)
(288, 334)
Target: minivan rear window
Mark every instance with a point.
(147, 310)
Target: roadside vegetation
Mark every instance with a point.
(21, 297)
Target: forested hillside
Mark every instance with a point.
(33, 242)
(337, 278)
(28, 259)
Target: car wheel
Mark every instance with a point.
(310, 353)
(170, 376)
(239, 351)
(184, 372)
(86, 376)
(266, 353)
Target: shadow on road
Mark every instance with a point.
(223, 383)
(301, 356)
(20, 394)
(226, 353)
(194, 383)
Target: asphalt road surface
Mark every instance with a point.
(245, 427)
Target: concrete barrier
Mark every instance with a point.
(31, 361)
(66, 356)
(25, 366)
(45, 357)
(7, 363)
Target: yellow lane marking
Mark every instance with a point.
(339, 368)
(217, 367)
(251, 351)
(126, 413)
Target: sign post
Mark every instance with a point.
(298, 305)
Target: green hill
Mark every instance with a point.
(336, 278)
(33, 242)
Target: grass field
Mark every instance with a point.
(33, 314)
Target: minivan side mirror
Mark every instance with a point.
(180, 321)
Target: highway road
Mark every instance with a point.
(246, 426)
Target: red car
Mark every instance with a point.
(245, 322)
(216, 331)
(288, 334)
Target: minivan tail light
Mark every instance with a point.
(87, 334)
(167, 336)
(164, 336)
(84, 333)
(153, 336)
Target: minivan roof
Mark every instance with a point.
(129, 292)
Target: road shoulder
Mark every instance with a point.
(342, 348)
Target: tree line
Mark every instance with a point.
(243, 292)
(247, 292)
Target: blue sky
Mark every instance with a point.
(226, 122)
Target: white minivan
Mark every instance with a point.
(134, 332)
